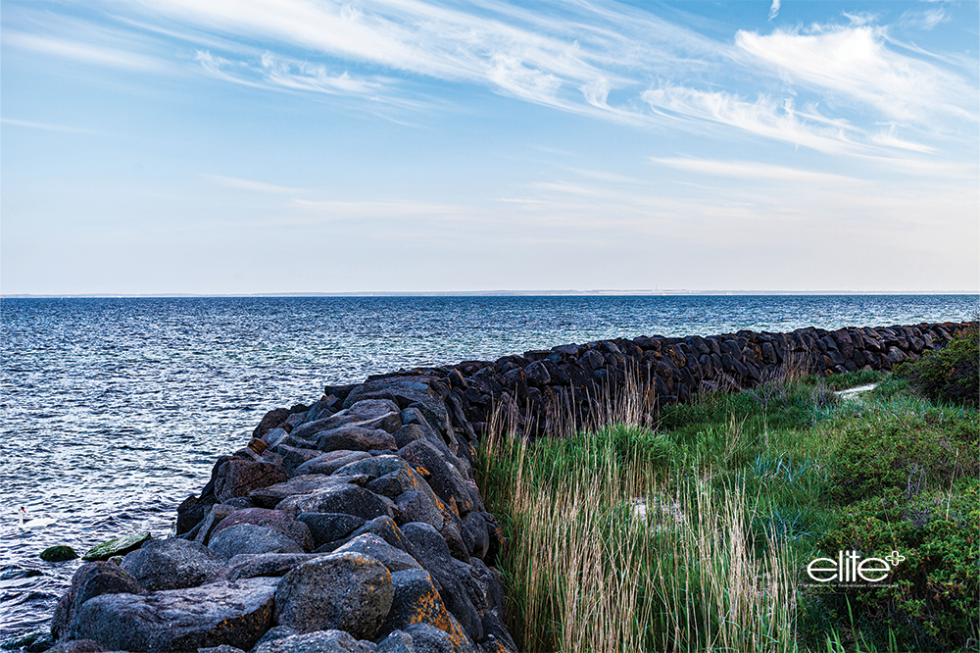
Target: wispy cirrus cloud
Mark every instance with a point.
(249, 184)
(756, 171)
(855, 61)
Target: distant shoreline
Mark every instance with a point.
(507, 293)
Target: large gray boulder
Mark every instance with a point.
(388, 475)
(373, 546)
(91, 580)
(343, 591)
(423, 638)
(355, 438)
(171, 564)
(322, 641)
(233, 613)
(328, 463)
(454, 578)
(269, 497)
(250, 565)
(330, 526)
(347, 499)
(236, 477)
(277, 520)
(248, 538)
(417, 601)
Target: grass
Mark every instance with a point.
(693, 533)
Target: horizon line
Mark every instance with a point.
(491, 293)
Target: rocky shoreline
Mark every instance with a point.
(354, 524)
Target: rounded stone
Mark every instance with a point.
(342, 591)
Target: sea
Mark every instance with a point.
(114, 410)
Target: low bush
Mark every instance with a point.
(951, 374)
(930, 602)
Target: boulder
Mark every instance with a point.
(269, 497)
(218, 513)
(347, 499)
(453, 576)
(416, 600)
(387, 530)
(423, 638)
(58, 553)
(373, 546)
(328, 463)
(388, 475)
(171, 564)
(323, 641)
(236, 478)
(343, 591)
(369, 414)
(331, 526)
(117, 546)
(233, 613)
(355, 438)
(417, 506)
(248, 538)
(277, 520)
(90, 581)
(250, 565)
(444, 478)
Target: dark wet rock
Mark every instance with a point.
(89, 581)
(355, 438)
(33, 642)
(294, 457)
(416, 600)
(239, 503)
(251, 565)
(389, 475)
(248, 538)
(498, 638)
(417, 506)
(372, 414)
(271, 420)
(328, 463)
(373, 546)
(453, 576)
(385, 528)
(233, 613)
(116, 546)
(347, 499)
(490, 594)
(476, 534)
(323, 641)
(444, 478)
(277, 520)
(329, 527)
(269, 497)
(171, 564)
(58, 553)
(237, 478)
(429, 639)
(218, 513)
(343, 591)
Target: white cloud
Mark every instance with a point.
(767, 117)
(248, 184)
(47, 126)
(81, 51)
(756, 171)
(854, 61)
(774, 9)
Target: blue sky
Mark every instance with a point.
(262, 146)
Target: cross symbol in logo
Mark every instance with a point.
(895, 558)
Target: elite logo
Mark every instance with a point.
(850, 567)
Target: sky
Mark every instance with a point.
(313, 146)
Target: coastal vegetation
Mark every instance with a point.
(694, 532)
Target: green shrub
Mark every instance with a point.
(950, 374)
(930, 602)
(903, 451)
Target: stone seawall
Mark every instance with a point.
(355, 524)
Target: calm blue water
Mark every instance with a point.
(113, 410)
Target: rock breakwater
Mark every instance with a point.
(355, 523)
